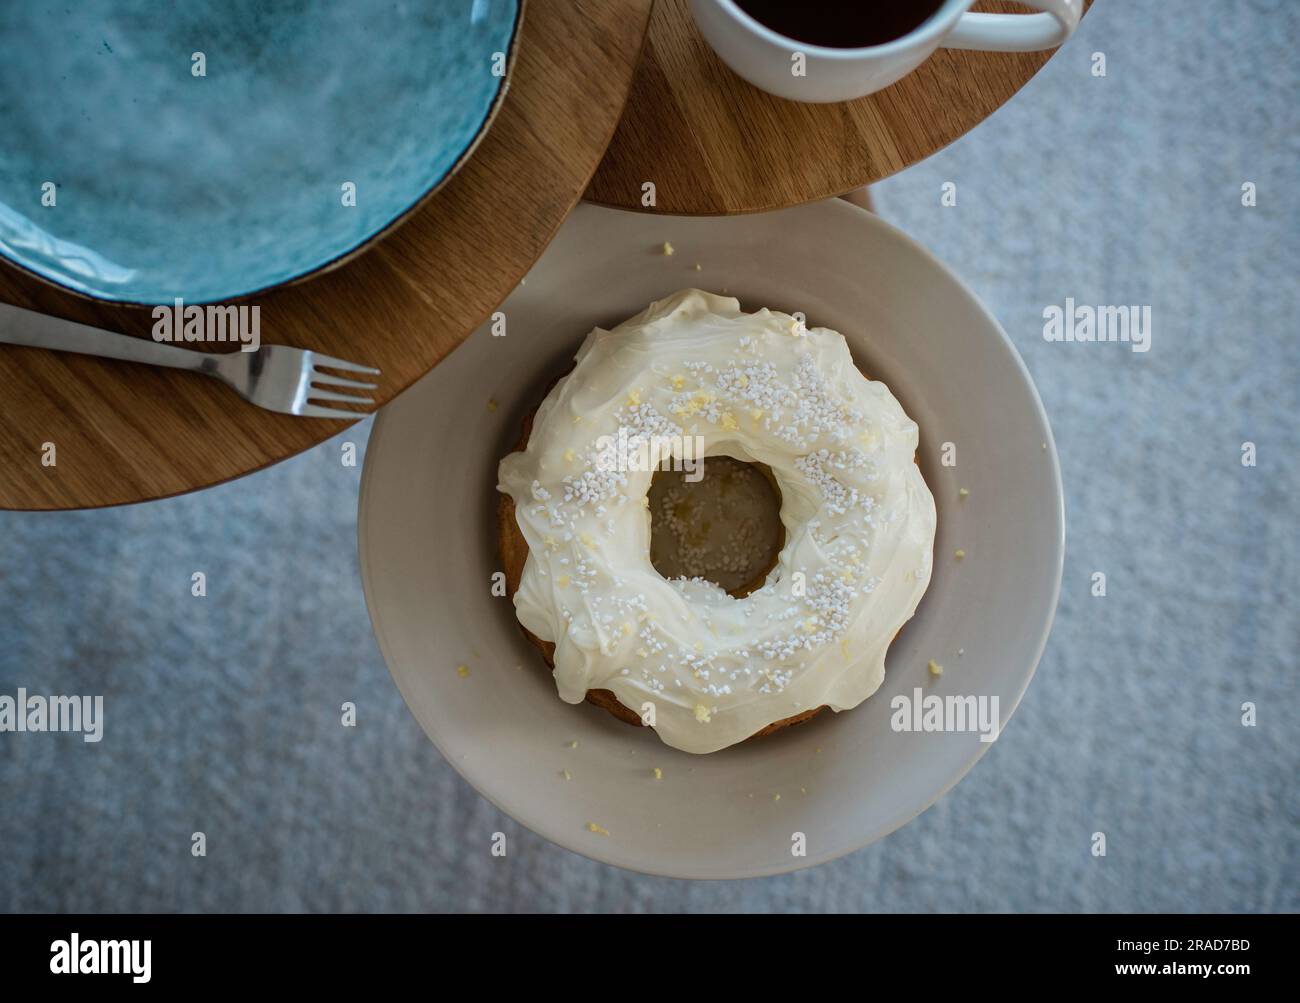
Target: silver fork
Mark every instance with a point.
(274, 377)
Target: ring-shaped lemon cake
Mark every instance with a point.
(693, 374)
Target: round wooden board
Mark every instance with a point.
(127, 433)
(713, 144)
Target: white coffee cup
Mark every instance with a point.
(802, 72)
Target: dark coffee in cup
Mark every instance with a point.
(841, 24)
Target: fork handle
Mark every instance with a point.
(38, 330)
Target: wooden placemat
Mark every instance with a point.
(125, 433)
(712, 143)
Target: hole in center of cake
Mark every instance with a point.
(724, 525)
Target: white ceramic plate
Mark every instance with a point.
(427, 528)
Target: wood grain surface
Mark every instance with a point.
(714, 144)
(126, 433)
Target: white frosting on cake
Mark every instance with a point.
(858, 517)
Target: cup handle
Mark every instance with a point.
(1017, 32)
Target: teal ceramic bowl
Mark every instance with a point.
(208, 149)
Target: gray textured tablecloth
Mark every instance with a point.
(222, 714)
